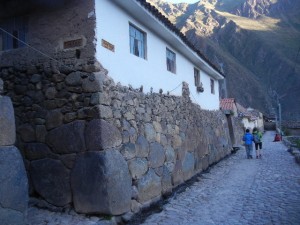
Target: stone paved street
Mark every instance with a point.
(240, 191)
(235, 191)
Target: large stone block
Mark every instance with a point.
(150, 132)
(54, 119)
(101, 183)
(67, 138)
(11, 217)
(138, 167)
(101, 135)
(166, 181)
(191, 139)
(26, 132)
(13, 187)
(188, 165)
(74, 79)
(142, 147)
(128, 150)
(177, 176)
(7, 122)
(149, 187)
(51, 179)
(156, 155)
(34, 151)
(94, 83)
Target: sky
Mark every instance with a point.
(180, 1)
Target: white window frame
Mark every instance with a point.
(171, 60)
(137, 41)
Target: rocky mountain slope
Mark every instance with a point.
(255, 42)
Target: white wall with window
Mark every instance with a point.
(143, 57)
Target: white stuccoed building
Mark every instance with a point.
(130, 38)
(133, 44)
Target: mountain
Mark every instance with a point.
(256, 43)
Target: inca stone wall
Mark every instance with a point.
(62, 34)
(106, 148)
(238, 130)
(13, 178)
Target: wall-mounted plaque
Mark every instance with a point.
(108, 45)
(73, 43)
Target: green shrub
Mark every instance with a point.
(286, 132)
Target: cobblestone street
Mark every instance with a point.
(240, 191)
(235, 191)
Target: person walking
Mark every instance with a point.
(248, 139)
(257, 138)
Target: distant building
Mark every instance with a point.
(131, 39)
(228, 106)
(236, 113)
(250, 117)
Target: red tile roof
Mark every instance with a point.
(227, 104)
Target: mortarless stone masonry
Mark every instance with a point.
(13, 178)
(147, 143)
(70, 115)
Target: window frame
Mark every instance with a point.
(17, 37)
(197, 77)
(171, 62)
(212, 86)
(135, 42)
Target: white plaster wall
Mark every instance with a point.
(249, 124)
(260, 122)
(112, 25)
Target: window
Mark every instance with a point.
(13, 33)
(197, 77)
(212, 86)
(137, 42)
(198, 83)
(171, 61)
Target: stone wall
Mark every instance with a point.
(293, 147)
(106, 148)
(238, 130)
(62, 36)
(13, 178)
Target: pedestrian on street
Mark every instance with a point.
(248, 139)
(257, 136)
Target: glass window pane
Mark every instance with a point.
(197, 77)
(212, 86)
(171, 61)
(137, 42)
(15, 37)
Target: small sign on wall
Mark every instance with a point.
(73, 43)
(108, 45)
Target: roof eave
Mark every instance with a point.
(155, 25)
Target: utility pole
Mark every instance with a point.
(279, 119)
(276, 120)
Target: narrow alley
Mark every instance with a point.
(240, 191)
(233, 192)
